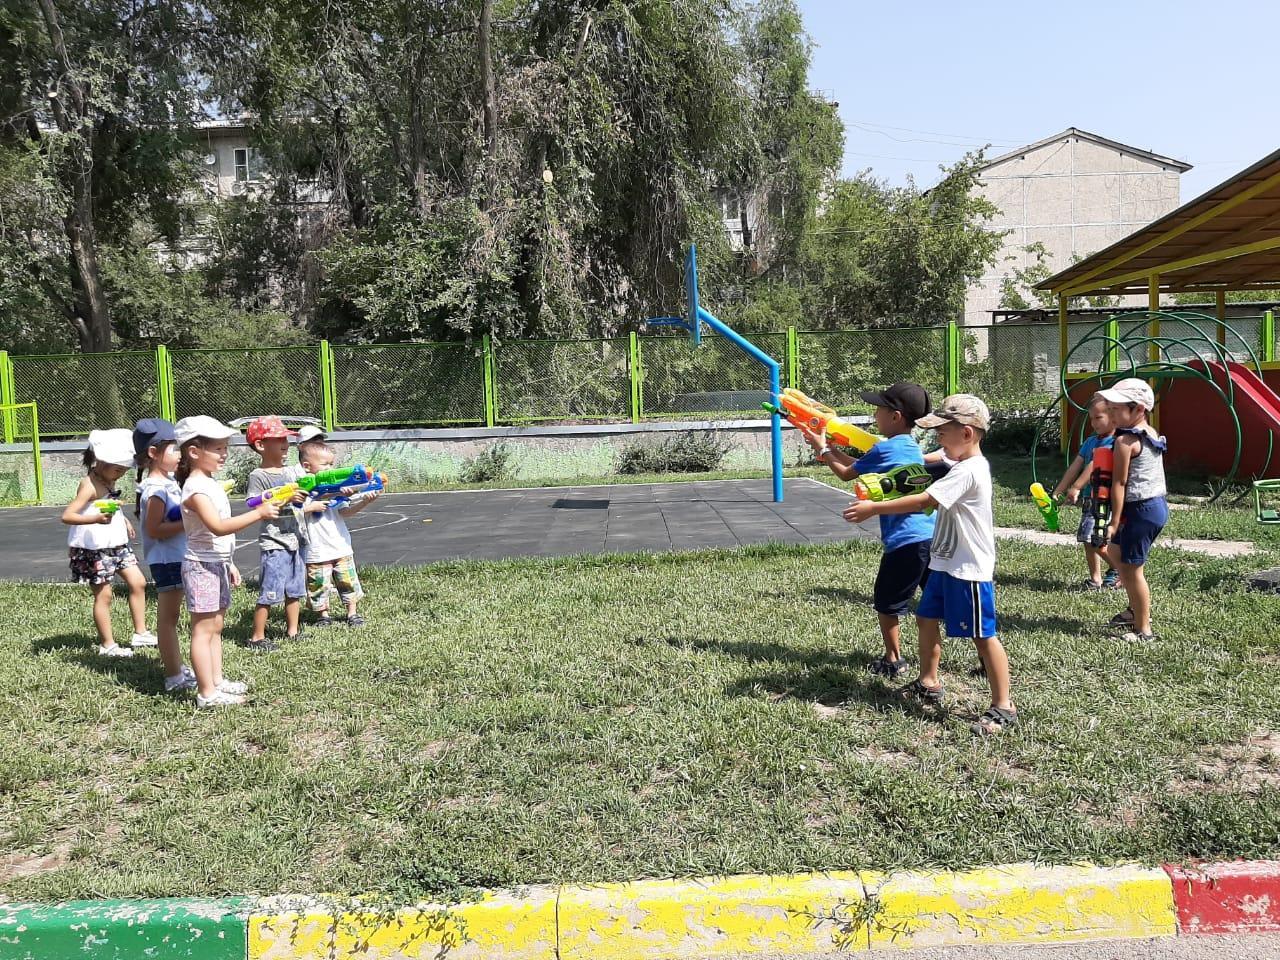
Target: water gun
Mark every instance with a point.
(899, 482)
(809, 414)
(326, 483)
(1100, 478)
(1047, 506)
(277, 495)
(358, 492)
(107, 508)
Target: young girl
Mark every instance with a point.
(1138, 504)
(164, 545)
(98, 542)
(1075, 482)
(208, 572)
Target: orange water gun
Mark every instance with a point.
(810, 415)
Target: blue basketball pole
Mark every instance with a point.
(693, 323)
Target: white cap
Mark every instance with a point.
(112, 446)
(310, 433)
(1130, 390)
(188, 428)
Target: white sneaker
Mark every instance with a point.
(145, 639)
(115, 650)
(236, 688)
(219, 699)
(180, 683)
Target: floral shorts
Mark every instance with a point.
(206, 585)
(97, 567)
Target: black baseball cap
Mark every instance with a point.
(909, 399)
(150, 433)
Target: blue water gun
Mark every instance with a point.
(354, 493)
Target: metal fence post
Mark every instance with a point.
(953, 359)
(637, 374)
(490, 382)
(164, 383)
(793, 357)
(35, 452)
(1268, 341)
(7, 398)
(1113, 353)
(328, 390)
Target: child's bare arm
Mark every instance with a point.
(203, 508)
(1073, 473)
(154, 523)
(85, 493)
(839, 462)
(861, 510)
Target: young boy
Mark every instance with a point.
(904, 567)
(283, 572)
(1138, 504)
(1075, 483)
(962, 562)
(328, 551)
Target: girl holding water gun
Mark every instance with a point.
(1075, 484)
(164, 542)
(98, 541)
(208, 571)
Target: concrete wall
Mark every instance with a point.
(410, 457)
(1076, 197)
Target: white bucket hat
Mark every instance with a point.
(112, 446)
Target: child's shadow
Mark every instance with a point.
(142, 673)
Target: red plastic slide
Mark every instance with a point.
(1200, 431)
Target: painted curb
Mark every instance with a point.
(811, 914)
(1227, 897)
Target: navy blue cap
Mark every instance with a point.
(152, 432)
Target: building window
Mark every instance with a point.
(246, 164)
(731, 207)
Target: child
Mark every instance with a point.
(1075, 482)
(904, 567)
(98, 543)
(963, 557)
(208, 571)
(283, 571)
(164, 544)
(328, 545)
(1139, 507)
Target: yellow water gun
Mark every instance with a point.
(803, 412)
(1047, 506)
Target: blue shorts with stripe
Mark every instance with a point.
(968, 607)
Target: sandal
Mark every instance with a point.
(1133, 636)
(884, 667)
(917, 693)
(1090, 586)
(1122, 619)
(995, 720)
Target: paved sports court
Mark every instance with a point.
(412, 528)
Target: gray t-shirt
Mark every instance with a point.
(282, 533)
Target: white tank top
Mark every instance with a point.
(98, 536)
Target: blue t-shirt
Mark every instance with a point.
(1086, 451)
(898, 529)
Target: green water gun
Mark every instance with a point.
(899, 482)
(1047, 506)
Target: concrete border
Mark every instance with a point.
(746, 916)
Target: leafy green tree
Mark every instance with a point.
(1018, 290)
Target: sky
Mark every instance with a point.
(921, 82)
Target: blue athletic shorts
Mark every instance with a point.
(284, 577)
(167, 576)
(1140, 523)
(967, 607)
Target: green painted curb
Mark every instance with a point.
(168, 929)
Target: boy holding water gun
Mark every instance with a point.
(1076, 486)
(283, 572)
(904, 567)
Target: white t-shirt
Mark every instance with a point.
(201, 542)
(964, 539)
(327, 537)
(171, 549)
(98, 536)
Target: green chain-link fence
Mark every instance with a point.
(1015, 367)
(21, 480)
(408, 383)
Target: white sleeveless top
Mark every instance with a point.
(98, 536)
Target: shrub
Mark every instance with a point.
(1016, 434)
(678, 453)
(490, 465)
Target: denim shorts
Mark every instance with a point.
(1140, 525)
(166, 576)
(207, 586)
(1085, 533)
(284, 577)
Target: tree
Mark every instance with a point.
(1018, 290)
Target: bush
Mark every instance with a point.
(492, 464)
(678, 453)
(1016, 434)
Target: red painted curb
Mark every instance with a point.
(1242, 897)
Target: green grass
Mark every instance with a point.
(622, 717)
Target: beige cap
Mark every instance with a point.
(310, 432)
(112, 446)
(1130, 390)
(188, 428)
(962, 408)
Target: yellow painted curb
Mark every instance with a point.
(712, 917)
(519, 926)
(1021, 904)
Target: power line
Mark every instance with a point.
(934, 133)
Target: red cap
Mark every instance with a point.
(265, 427)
